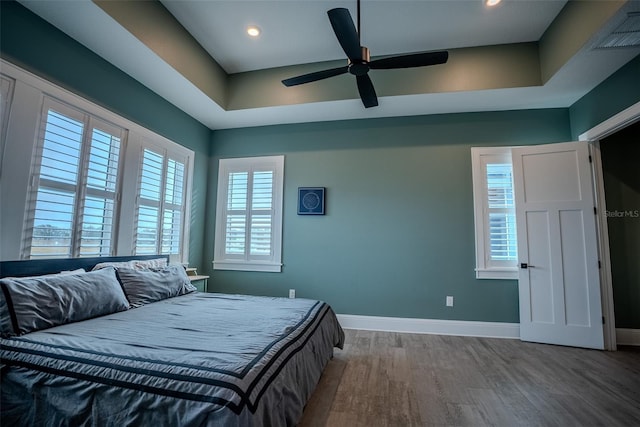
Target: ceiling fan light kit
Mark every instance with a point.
(359, 58)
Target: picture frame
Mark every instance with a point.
(311, 200)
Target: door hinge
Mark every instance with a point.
(590, 159)
(603, 322)
(599, 264)
(595, 211)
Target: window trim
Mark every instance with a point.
(5, 110)
(259, 263)
(484, 269)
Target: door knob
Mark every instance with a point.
(525, 265)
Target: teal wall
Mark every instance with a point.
(398, 234)
(32, 43)
(620, 161)
(618, 92)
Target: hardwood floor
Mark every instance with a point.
(393, 379)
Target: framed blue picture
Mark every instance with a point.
(310, 200)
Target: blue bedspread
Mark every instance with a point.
(198, 359)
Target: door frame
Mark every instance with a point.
(593, 136)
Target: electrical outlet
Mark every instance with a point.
(292, 293)
(449, 301)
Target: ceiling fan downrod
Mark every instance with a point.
(358, 22)
(359, 67)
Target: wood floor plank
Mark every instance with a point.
(393, 379)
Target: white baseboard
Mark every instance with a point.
(455, 327)
(627, 336)
(431, 326)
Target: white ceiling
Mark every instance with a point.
(298, 32)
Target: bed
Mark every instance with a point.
(189, 359)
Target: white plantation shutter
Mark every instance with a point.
(495, 219)
(99, 202)
(236, 215)
(249, 214)
(261, 213)
(57, 185)
(74, 185)
(501, 210)
(174, 200)
(161, 203)
(148, 214)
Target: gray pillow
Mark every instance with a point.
(136, 264)
(6, 326)
(7, 317)
(146, 286)
(40, 302)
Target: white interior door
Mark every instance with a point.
(557, 246)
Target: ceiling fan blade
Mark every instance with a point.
(312, 77)
(410, 61)
(367, 92)
(346, 33)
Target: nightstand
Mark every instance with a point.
(200, 282)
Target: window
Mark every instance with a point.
(73, 196)
(161, 203)
(495, 216)
(85, 181)
(249, 214)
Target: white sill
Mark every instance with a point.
(247, 266)
(505, 274)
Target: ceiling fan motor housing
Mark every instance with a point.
(359, 68)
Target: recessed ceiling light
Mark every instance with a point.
(253, 31)
(492, 3)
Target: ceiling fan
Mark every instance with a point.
(359, 59)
